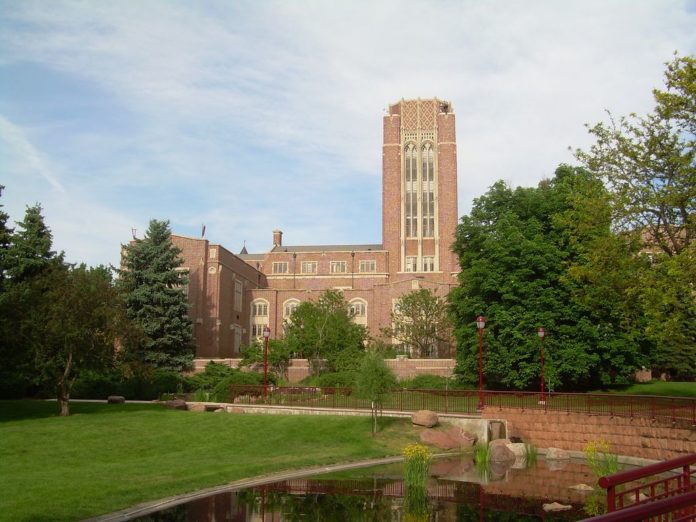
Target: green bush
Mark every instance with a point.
(348, 360)
(213, 374)
(221, 391)
(144, 386)
(345, 379)
(428, 382)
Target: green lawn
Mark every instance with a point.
(665, 388)
(108, 457)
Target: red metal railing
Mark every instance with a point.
(661, 487)
(680, 410)
(674, 509)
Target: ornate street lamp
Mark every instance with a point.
(542, 333)
(480, 324)
(266, 336)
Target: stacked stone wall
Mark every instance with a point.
(403, 368)
(638, 437)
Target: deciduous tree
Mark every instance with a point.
(422, 321)
(322, 330)
(375, 380)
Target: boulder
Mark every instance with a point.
(448, 439)
(556, 454)
(115, 399)
(219, 410)
(500, 452)
(196, 406)
(518, 448)
(425, 418)
(555, 506)
(176, 404)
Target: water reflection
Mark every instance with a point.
(456, 492)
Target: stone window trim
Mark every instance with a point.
(367, 266)
(289, 307)
(280, 267)
(338, 267)
(308, 267)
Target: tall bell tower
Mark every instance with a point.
(419, 187)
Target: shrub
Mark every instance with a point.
(213, 374)
(427, 382)
(348, 360)
(345, 379)
(221, 392)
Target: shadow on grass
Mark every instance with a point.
(37, 409)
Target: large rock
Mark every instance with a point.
(115, 399)
(518, 448)
(176, 404)
(557, 454)
(196, 406)
(449, 439)
(555, 506)
(425, 418)
(500, 452)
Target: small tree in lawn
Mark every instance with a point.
(374, 382)
(152, 289)
(75, 326)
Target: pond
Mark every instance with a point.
(457, 491)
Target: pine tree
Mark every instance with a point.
(152, 288)
(29, 252)
(5, 238)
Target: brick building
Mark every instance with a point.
(234, 296)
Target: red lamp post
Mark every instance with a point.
(541, 332)
(480, 324)
(266, 336)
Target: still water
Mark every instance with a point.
(457, 491)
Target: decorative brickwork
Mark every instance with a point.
(638, 437)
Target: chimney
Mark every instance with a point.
(277, 238)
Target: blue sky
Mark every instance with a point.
(248, 116)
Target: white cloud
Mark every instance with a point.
(255, 115)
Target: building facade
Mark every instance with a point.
(233, 297)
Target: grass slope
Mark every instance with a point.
(107, 457)
(664, 388)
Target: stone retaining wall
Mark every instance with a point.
(402, 367)
(639, 437)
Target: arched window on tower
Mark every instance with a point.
(411, 190)
(428, 191)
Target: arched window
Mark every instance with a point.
(289, 307)
(411, 190)
(428, 191)
(259, 317)
(358, 309)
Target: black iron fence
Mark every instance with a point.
(680, 410)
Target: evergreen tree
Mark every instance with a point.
(28, 261)
(30, 251)
(152, 289)
(5, 239)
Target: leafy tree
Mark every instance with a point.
(74, 326)
(375, 380)
(322, 330)
(422, 321)
(152, 289)
(279, 356)
(649, 165)
(515, 249)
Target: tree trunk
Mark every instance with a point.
(374, 419)
(64, 389)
